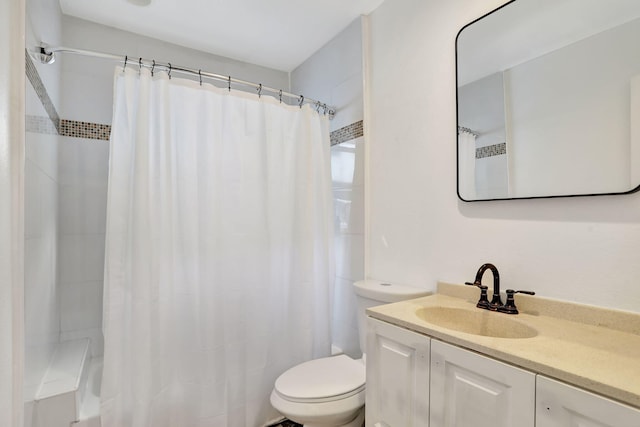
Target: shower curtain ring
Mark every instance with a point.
(229, 85)
(153, 67)
(260, 90)
(200, 75)
(301, 101)
(125, 62)
(170, 68)
(140, 65)
(280, 96)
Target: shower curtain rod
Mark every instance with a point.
(46, 55)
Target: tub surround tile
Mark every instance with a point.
(41, 90)
(53, 124)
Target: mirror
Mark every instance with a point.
(548, 96)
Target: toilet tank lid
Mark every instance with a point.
(387, 292)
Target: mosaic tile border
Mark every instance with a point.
(41, 90)
(87, 130)
(491, 150)
(347, 133)
(102, 132)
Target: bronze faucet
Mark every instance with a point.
(496, 302)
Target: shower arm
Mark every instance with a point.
(46, 55)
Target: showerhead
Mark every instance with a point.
(41, 55)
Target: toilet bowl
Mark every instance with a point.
(322, 392)
(330, 391)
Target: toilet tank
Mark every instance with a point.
(370, 293)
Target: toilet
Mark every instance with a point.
(330, 391)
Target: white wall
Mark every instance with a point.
(334, 75)
(88, 82)
(571, 107)
(12, 80)
(580, 249)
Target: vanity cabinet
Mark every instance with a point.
(413, 380)
(468, 389)
(561, 405)
(397, 376)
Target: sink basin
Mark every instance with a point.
(476, 322)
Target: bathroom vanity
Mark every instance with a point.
(439, 361)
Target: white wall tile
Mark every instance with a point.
(81, 305)
(94, 335)
(348, 96)
(81, 258)
(72, 259)
(345, 323)
(42, 150)
(41, 306)
(94, 256)
(83, 209)
(350, 256)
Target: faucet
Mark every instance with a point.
(495, 300)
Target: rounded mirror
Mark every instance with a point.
(548, 96)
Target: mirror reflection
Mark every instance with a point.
(549, 100)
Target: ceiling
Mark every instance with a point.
(279, 34)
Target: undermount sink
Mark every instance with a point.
(476, 321)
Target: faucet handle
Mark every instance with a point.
(483, 302)
(510, 306)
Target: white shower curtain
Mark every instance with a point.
(219, 263)
(466, 165)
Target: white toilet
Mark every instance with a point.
(330, 392)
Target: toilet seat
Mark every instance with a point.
(322, 380)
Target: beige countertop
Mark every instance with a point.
(590, 347)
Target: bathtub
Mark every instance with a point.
(90, 404)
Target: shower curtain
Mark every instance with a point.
(219, 263)
(466, 165)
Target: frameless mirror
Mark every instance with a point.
(548, 95)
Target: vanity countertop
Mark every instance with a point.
(591, 347)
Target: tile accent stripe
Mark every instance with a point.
(88, 130)
(347, 133)
(491, 150)
(41, 90)
(102, 132)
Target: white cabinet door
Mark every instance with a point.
(562, 405)
(470, 390)
(397, 376)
